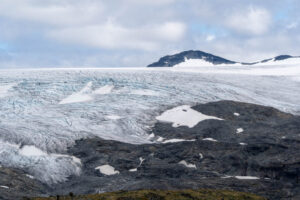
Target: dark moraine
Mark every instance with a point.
(270, 152)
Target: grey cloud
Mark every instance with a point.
(133, 33)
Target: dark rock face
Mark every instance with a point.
(268, 148)
(169, 61)
(271, 153)
(282, 57)
(15, 184)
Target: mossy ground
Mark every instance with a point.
(201, 194)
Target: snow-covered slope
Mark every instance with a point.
(288, 60)
(201, 63)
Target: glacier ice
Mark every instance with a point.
(45, 111)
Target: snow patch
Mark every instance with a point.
(188, 165)
(200, 63)
(210, 139)
(113, 117)
(201, 155)
(242, 177)
(246, 177)
(3, 186)
(236, 114)
(82, 96)
(183, 116)
(4, 90)
(152, 135)
(243, 144)
(288, 61)
(160, 139)
(76, 160)
(145, 92)
(31, 151)
(29, 176)
(107, 170)
(86, 94)
(141, 162)
(177, 140)
(107, 89)
(239, 130)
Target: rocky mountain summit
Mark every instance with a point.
(200, 58)
(170, 61)
(237, 146)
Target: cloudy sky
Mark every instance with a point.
(122, 33)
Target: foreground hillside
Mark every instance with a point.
(163, 195)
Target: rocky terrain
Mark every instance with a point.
(248, 148)
(200, 194)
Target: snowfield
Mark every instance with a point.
(44, 111)
(184, 116)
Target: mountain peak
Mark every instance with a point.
(195, 58)
(171, 60)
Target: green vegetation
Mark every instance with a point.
(201, 194)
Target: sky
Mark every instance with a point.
(135, 33)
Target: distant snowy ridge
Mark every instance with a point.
(203, 59)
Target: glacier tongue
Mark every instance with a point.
(48, 110)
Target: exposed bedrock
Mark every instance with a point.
(263, 158)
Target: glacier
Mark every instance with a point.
(47, 110)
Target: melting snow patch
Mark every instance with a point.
(31, 151)
(151, 136)
(239, 130)
(82, 96)
(243, 144)
(160, 139)
(236, 114)
(107, 89)
(242, 177)
(4, 90)
(76, 160)
(201, 155)
(107, 170)
(226, 176)
(86, 94)
(200, 63)
(29, 176)
(184, 116)
(3, 186)
(145, 92)
(246, 177)
(178, 140)
(141, 162)
(193, 63)
(183, 162)
(210, 139)
(113, 117)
